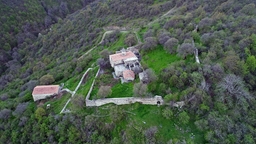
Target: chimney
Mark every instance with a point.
(123, 53)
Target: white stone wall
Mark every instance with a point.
(41, 96)
(123, 101)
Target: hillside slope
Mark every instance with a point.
(219, 92)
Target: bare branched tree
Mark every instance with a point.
(232, 91)
(150, 135)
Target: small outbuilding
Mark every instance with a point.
(128, 75)
(45, 91)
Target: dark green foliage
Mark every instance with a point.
(47, 79)
(140, 89)
(218, 93)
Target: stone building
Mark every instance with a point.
(45, 91)
(125, 64)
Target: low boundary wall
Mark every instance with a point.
(157, 100)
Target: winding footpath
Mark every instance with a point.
(102, 39)
(74, 92)
(173, 10)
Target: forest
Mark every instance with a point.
(43, 42)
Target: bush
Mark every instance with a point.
(171, 45)
(104, 91)
(185, 49)
(150, 43)
(183, 117)
(21, 107)
(163, 37)
(46, 79)
(130, 40)
(167, 113)
(39, 113)
(5, 114)
(140, 89)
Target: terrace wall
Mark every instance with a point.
(122, 101)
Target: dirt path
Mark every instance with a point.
(174, 9)
(103, 37)
(67, 90)
(74, 92)
(137, 36)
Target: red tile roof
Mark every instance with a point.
(128, 74)
(122, 56)
(46, 89)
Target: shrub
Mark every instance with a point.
(185, 49)
(183, 117)
(171, 45)
(46, 79)
(150, 43)
(5, 114)
(140, 89)
(104, 91)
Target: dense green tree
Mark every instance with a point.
(39, 113)
(167, 113)
(46, 79)
(251, 63)
(183, 117)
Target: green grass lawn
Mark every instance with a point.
(85, 87)
(118, 90)
(146, 116)
(158, 59)
(122, 90)
(72, 83)
(58, 103)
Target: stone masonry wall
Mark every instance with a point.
(129, 100)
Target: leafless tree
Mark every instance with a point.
(232, 90)
(150, 135)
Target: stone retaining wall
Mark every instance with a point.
(122, 101)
